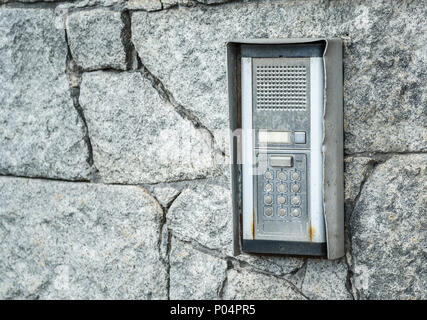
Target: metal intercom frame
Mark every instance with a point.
(331, 141)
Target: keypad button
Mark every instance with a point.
(296, 212)
(268, 211)
(282, 212)
(268, 199)
(281, 200)
(299, 137)
(281, 175)
(295, 201)
(268, 187)
(281, 188)
(268, 175)
(295, 176)
(295, 187)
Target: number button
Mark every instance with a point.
(268, 200)
(296, 212)
(281, 188)
(268, 175)
(268, 211)
(268, 187)
(295, 187)
(281, 175)
(282, 212)
(295, 201)
(281, 200)
(295, 176)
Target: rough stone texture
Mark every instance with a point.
(385, 96)
(388, 229)
(356, 171)
(96, 39)
(165, 195)
(7, 1)
(277, 265)
(193, 274)
(189, 3)
(246, 285)
(41, 133)
(136, 136)
(79, 241)
(202, 213)
(325, 279)
(148, 5)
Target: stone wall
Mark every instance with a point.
(103, 101)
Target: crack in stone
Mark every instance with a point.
(236, 264)
(371, 166)
(224, 282)
(297, 269)
(36, 4)
(292, 285)
(349, 276)
(382, 156)
(163, 224)
(182, 183)
(44, 178)
(74, 74)
(126, 37)
(233, 261)
(180, 109)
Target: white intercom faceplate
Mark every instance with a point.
(281, 114)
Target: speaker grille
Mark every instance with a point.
(281, 87)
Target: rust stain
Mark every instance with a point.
(311, 232)
(253, 224)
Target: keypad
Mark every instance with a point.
(284, 190)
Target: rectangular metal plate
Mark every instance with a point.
(281, 97)
(274, 137)
(281, 161)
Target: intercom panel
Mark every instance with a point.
(279, 184)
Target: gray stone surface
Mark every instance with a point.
(96, 39)
(136, 136)
(170, 3)
(384, 90)
(277, 265)
(41, 133)
(202, 213)
(356, 170)
(76, 240)
(79, 241)
(29, 1)
(165, 194)
(148, 5)
(193, 274)
(247, 285)
(388, 228)
(325, 279)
